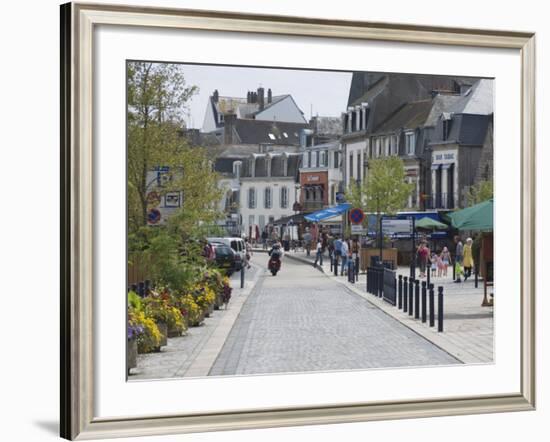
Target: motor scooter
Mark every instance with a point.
(274, 264)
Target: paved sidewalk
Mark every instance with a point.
(194, 354)
(468, 327)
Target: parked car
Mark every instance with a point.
(225, 257)
(237, 245)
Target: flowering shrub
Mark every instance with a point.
(189, 307)
(204, 296)
(149, 336)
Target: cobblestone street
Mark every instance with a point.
(301, 320)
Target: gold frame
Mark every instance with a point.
(77, 24)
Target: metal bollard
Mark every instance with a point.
(331, 262)
(351, 272)
(476, 279)
(242, 276)
(429, 270)
(412, 271)
(454, 271)
(406, 280)
(381, 282)
(335, 264)
(357, 270)
(416, 299)
(411, 295)
(400, 292)
(432, 308)
(424, 285)
(440, 309)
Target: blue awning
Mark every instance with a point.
(325, 214)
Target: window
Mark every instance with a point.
(317, 158)
(410, 143)
(261, 221)
(309, 158)
(336, 160)
(252, 198)
(446, 129)
(284, 197)
(393, 145)
(351, 166)
(358, 166)
(267, 198)
(377, 147)
(323, 160)
(251, 220)
(271, 219)
(271, 136)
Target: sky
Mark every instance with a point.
(322, 93)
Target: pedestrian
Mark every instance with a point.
(423, 254)
(446, 258)
(440, 265)
(248, 255)
(307, 242)
(319, 253)
(433, 264)
(458, 271)
(459, 250)
(264, 239)
(344, 251)
(468, 259)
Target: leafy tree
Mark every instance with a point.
(384, 191)
(479, 192)
(157, 97)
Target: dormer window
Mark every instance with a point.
(410, 141)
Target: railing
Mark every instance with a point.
(313, 205)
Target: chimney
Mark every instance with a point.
(261, 98)
(248, 97)
(269, 96)
(229, 127)
(215, 96)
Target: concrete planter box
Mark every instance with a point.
(163, 328)
(131, 354)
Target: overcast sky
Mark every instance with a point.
(323, 92)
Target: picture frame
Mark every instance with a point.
(78, 203)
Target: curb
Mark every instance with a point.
(306, 261)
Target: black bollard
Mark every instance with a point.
(331, 262)
(432, 307)
(357, 270)
(351, 272)
(411, 295)
(428, 271)
(416, 299)
(405, 294)
(400, 292)
(412, 274)
(454, 272)
(440, 309)
(476, 274)
(424, 301)
(242, 276)
(335, 265)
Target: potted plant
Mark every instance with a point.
(134, 331)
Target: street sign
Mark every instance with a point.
(356, 216)
(153, 216)
(153, 199)
(357, 229)
(394, 226)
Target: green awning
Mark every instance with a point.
(477, 217)
(430, 224)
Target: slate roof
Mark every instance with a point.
(257, 132)
(467, 129)
(409, 116)
(277, 161)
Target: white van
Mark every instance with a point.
(237, 244)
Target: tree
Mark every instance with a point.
(157, 98)
(479, 192)
(384, 191)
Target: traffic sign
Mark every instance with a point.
(393, 226)
(356, 216)
(153, 216)
(357, 229)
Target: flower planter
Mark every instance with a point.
(163, 328)
(131, 354)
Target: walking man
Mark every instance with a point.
(319, 253)
(344, 251)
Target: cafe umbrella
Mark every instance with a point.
(477, 217)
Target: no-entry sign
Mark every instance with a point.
(356, 216)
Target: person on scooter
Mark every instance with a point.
(275, 254)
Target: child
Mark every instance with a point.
(459, 271)
(440, 266)
(434, 264)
